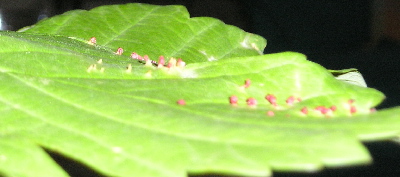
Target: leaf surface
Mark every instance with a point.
(81, 101)
(350, 76)
(155, 30)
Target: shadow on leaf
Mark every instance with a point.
(72, 167)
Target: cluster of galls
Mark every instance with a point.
(290, 101)
(233, 100)
(172, 64)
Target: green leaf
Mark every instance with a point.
(81, 101)
(351, 76)
(155, 30)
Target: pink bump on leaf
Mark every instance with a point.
(119, 51)
(92, 40)
(247, 83)
(353, 109)
(170, 65)
(322, 109)
(181, 102)
(304, 110)
(146, 58)
(290, 100)
(134, 55)
(161, 61)
(251, 101)
(270, 113)
(180, 63)
(351, 101)
(333, 108)
(271, 99)
(233, 100)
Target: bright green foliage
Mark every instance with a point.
(155, 30)
(81, 101)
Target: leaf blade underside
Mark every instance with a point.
(122, 123)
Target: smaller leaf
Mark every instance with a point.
(351, 76)
(155, 30)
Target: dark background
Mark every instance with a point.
(337, 34)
